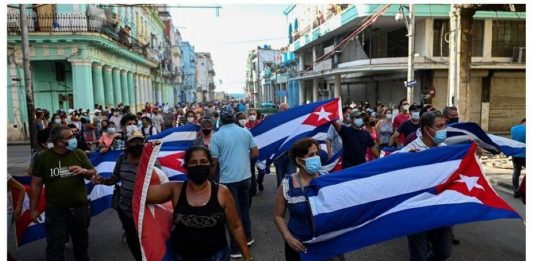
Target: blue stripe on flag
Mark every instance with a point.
(402, 223)
(359, 214)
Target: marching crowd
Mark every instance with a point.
(221, 180)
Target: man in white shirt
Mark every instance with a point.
(435, 244)
(157, 120)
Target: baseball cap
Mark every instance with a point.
(227, 113)
(355, 114)
(135, 135)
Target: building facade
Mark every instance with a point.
(189, 72)
(260, 86)
(205, 84)
(372, 64)
(82, 55)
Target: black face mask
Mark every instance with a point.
(206, 131)
(135, 150)
(453, 120)
(198, 174)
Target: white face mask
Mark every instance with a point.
(50, 145)
(252, 117)
(406, 107)
(111, 130)
(389, 116)
(242, 122)
(130, 129)
(57, 121)
(116, 113)
(415, 115)
(190, 119)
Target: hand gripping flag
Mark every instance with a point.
(398, 195)
(276, 134)
(153, 222)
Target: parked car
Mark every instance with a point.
(267, 108)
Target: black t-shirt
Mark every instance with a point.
(407, 128)
(354, 144)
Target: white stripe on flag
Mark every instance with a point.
(280, 132)
(100, 191)
(501, 141)
(179, 136)
(419, 201)
(106, 166)
(386, 185)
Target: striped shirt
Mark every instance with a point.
(125, 173)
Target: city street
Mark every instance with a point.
(493, 240)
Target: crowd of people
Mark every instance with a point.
(218, 193)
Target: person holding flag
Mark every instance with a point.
(202, 210)
(62, 169)
(435, 244)
(291, 195)
(355, 141)
(125, 172)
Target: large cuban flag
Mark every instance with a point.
(153, 222)
(276, 134)
(398, 195)
(174, 143)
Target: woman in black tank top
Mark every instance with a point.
(202, 210)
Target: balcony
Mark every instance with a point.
(78, 22)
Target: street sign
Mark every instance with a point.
(409, 84)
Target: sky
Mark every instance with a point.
(230, 36)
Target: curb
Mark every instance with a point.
(18, 143)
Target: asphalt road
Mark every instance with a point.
(491, 240)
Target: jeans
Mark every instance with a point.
(222, 255)
(440, 240)
(518, 164)
(132, 239)
(284, 166)
(59, 223)
(241, 194)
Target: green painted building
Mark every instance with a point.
(80, 57)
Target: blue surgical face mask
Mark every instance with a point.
(312, 164)
(439, 137)
(358, 122)
(50, 145)
(72, 144)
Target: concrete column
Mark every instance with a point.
(108, 87)
(337, 88)
(131, 91)
(150, 90)
(145, 89)
(487, 38)
(124, 84)
(301, 92)
(315, 89)
(98, 84)
(117, 89)
(82, 83)
(159, 91)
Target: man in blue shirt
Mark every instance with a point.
(518, 133)
(231, 147)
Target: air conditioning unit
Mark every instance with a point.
(519, 55)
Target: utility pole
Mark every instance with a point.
(454, 55)
(411, 50)
(27, 77)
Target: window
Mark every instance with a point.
(507, 35)
(441, 33)
(397, 43)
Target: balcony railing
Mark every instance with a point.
(77, 22)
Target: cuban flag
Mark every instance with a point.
(153, 222)
(333, 164)
(398, 195)
(175, 142)
(276, 134)
(467, 131)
